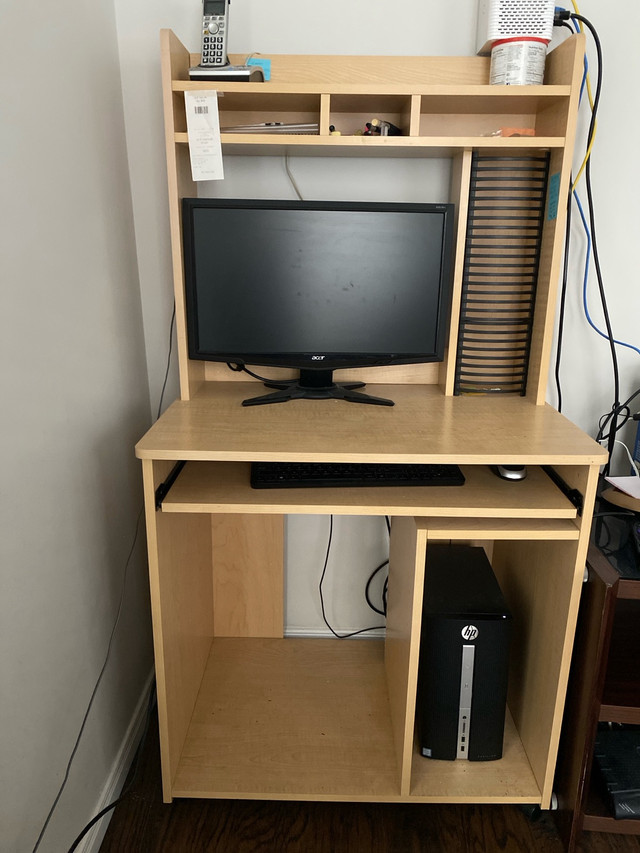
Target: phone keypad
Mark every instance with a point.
(213, 52)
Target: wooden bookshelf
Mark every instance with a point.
(604, 687)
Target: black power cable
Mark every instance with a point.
(367, 589)
(242, 368)
(322, 577)
(594, 243)
(614, 414)
(563, 294)
(133, 774)
(561, 16)
(166, 373)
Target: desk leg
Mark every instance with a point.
(179, 548)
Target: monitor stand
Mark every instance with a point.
(316, 385)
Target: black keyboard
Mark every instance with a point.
(295, 475)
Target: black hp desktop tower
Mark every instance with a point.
(464, 650)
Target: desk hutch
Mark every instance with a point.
(246, 712)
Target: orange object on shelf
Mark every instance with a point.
(517, 131)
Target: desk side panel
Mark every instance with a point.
(175, 62)
(542, 582)
(406, 583)
(180, 580)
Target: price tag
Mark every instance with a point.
(203, 130)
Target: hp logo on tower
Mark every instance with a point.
(469, 632)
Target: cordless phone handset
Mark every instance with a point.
(215, 25)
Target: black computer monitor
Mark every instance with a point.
(317, 286)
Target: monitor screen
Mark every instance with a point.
(317, 285)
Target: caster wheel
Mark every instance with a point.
(533, 812)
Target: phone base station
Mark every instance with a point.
(246, 73)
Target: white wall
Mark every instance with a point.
(587, 379)
(74, 400)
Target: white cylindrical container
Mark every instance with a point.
(518, 61)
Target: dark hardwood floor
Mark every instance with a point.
(143, 824)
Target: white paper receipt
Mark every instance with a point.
(203, 130)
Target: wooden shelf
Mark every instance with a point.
(606, 823)
(436, 120)
(629, 589)
(291, 719)
(224, 487)
(310, 719)
(621, 690)
(626, 714)
(509, 780)
(422, 426)
(598, 817)
(404, 146)
(469, 95)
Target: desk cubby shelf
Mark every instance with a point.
(433, 118)
(246, 711)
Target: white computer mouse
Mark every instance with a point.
(511, 472)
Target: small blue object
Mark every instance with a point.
(554, 195)
(265, 64)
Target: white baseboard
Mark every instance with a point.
(119, 770)
(322, 633)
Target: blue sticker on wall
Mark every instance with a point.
(554, 196)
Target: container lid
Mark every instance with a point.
(519, 39)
